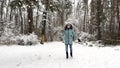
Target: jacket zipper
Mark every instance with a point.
(68, 36)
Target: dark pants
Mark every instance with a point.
(66, 48)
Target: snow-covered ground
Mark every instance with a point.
(52, 55)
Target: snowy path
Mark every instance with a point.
(52, 55)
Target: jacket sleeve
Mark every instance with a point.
(75, 35)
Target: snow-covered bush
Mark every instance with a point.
(86, 36)
(93, 43)
(7, 39)
(27, 39)
(10, 38)
(11, 35)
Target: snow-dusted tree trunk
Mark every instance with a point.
(99, 18)
(118, 17)
(30, 17)
(85, 15)
(43, 38)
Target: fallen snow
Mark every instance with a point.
(52, 55)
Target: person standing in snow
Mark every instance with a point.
(69, 34)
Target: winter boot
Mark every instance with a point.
(71, 54)
(66, 55)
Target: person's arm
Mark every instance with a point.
(74, 34)
(76, 37)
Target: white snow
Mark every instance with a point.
(52, 55)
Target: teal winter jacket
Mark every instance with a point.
(69, 35)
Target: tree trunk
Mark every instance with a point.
(43, 38)
(30, 18)
(92, 17)
(22, 26)
(37, 18)
(1, 10)
(98, 19)
(85, 15)
(84, 24)
(118, 17)
(62, 18)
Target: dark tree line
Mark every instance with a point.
(101, 18)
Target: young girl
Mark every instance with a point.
(69, 34)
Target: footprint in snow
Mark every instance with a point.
(18, 64)
(116, 49)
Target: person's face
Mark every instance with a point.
(68, 26)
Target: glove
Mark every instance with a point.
(79, 40)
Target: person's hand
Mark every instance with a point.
(79, 40)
